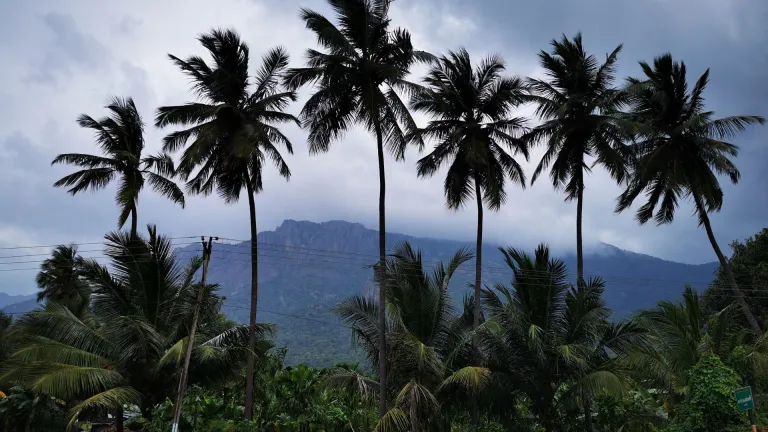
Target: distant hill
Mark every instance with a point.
(21, 307)
(306, 268)
(7, 299)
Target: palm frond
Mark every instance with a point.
(166, 188)
(113, 398)
(471, 379)
(92, 178)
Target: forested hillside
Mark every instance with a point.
(306, 268)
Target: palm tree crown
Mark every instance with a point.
(472, 125)
(233, 128)
(61, 280)
(121, 138)
(551, 340)
(577, 105)
(422, 337)
(357, 78)
(679, 137)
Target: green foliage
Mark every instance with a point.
(427, 344)
(552, 342)
(749, 263)
(710, 405)
(127, 348)
(61, 280)
(288, 400)
(25, 411)
(681, 332)
(638, 410)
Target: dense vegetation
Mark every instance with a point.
(536, 353)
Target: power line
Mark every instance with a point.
(48, 254)
(77, 244)
(506, 272)
(339, 257)
(344, 260)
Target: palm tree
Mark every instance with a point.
(233, 133)
(357, 78)
(544, 335)
(680, 151)
(578, 108)
(121, 138)
(473, 127)
(129, 350)
(681, 333)
(419, 322)
(61, 279)
(472, 109)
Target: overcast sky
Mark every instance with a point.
(61, 59)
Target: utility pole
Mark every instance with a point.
(207, 249)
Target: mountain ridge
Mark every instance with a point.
(9, 299)
(306, 268)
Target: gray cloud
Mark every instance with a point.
(90, 50)
(129, 24)
(69, 49)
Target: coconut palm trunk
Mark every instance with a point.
(249, 374)
(119, 420)
(579, 235)
(478, 284)
(478, 253)
(737, 294)
(382, 277)
(134, 220)
(580, 280)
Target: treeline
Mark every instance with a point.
(550, 356)
(653, 134)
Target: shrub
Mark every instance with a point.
(710, 405)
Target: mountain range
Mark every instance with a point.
(306, 268)
(17, 303)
